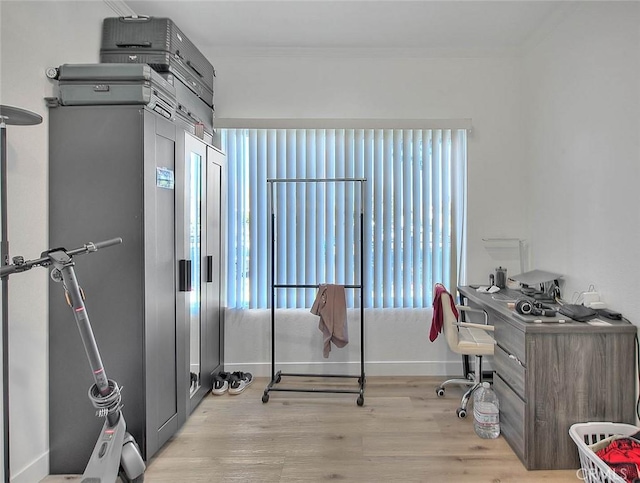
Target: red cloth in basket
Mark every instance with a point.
(623, 456)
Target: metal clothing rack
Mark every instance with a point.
(276, 377)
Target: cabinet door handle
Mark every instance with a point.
(209, 268)
(511, 356)
(184, 275)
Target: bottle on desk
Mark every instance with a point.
(486, 412)
(501, 277)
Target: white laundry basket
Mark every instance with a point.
(593, 469)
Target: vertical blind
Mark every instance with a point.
(414, 200)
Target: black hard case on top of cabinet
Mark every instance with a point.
(115, 84)
(157, 41)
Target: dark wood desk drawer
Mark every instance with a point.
(512, 424)
(509, 337)
(570, 373)
(510, 370)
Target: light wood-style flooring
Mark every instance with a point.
(403, 433)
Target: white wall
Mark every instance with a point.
(580, 105)
(311, 84)
(35, 35)
(581, 93)
(326, 84)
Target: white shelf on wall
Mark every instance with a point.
(505, 249)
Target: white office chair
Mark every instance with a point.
(469, 339)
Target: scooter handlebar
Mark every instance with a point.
(7, 270)
(92, 247)
(45, 259)
(108, 243)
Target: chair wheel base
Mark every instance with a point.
(440, 391)
(461, 413)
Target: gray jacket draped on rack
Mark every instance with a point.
(331, 305)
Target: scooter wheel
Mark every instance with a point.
(131, 461)
(125, 479)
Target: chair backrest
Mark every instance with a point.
(449, 322)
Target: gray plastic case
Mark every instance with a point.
(189, 106)
(116, 84)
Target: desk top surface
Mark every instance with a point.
(498, 301)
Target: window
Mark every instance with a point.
(414, 199)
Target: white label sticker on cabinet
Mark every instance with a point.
(164, 178)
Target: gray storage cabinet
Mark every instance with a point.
(201, 201)
(110, 175)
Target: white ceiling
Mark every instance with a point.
(356, 24)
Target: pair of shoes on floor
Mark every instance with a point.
(234, 382)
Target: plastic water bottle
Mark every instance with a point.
(486, 412)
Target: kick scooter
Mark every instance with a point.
(116, 452)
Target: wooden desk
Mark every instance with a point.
(551, 375)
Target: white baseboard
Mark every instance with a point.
(382, 368)
(36, 471)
